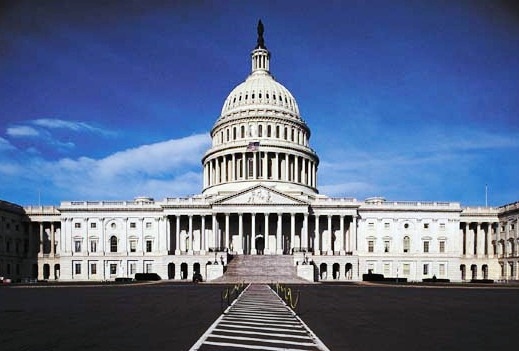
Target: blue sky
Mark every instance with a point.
(410, 100)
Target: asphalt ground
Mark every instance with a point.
(168, 316)
(388, 317)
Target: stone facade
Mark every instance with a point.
(260, 197)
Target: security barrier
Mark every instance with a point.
(230, 294)
(288, 296)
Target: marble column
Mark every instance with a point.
(292, 231)
(203, 241)
(253, 234)
(53, 239)
(239, 250)
(177, 235)
(227, 239)
(304, 239)
(279, 248)
(317, 245)
(343, 236)
(266, 235)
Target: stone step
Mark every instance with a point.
(261, 269)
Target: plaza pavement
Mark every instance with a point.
(173, 316)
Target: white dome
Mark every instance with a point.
(260, 89)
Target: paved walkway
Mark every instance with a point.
(259, 320)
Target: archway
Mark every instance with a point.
(260, 244)
(463, 270)
(171, 270)
(474, 270)
(348, 270)
(183, 271)
(485, 271)
(323, 271)
(196, 268)
(56, 271)
(46, 271)
(335, 271)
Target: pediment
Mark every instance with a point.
(260, 195)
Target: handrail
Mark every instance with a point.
(286, 294)
(228, 295)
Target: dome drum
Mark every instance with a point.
(260, 137)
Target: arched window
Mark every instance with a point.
(260, 130)
(277, 131)
(113, 244)
(233, 133)
(269, 130)
(242, 132)
(407, 244)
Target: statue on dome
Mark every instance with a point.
(261, 41)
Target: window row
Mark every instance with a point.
(113, 225)
(406, 245)
(114, 245)
(113, 269)
(262, 130)
(387, 225)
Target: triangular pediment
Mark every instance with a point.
(260, 195)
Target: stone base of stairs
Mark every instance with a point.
(261, 269)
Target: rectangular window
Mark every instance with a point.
(386, 246)
(93, 268)
(133, 268)
(425, 246)
(442, 226)
(113, 268)
(442, 246)
(93, 246)
(148, 225)
(133, 245)
(133, 225)
(93, 225)
(442, 269)
(386, 225)
(77, 268)
(371, 245)
(426, 269)
(148, 268)
(77, 225)
(387, 269)
(148, 245)
(371, 225)
(406, 268)
(426, 225)
(77, 246)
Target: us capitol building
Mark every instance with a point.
(259, 197)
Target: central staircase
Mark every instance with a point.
(261, 269)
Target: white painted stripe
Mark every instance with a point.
(271, 341)
(261, 333)
(251, 347)
(243, 315)
(301, 330)
(261, 321)
(200, 341)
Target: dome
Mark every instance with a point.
(260, 88)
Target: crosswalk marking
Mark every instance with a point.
(259, 320)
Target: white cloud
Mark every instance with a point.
(169, 168)
(54, 123)
(22, 131)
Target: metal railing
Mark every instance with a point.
(292, 299)
(230, 294)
